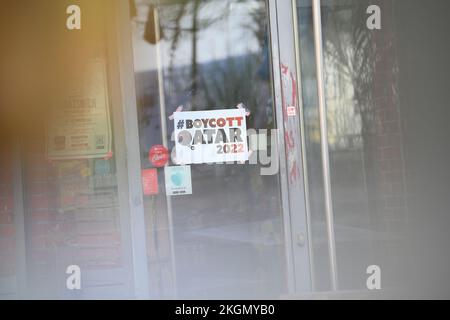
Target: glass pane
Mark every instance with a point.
(386, 99)
(227, 237)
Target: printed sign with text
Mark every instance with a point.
(79, 124)
(150, 182)
(178, 180)
(216, 136)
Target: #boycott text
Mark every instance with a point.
(211, 136)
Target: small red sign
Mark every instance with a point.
(291, 111)
(158, 156)
(150, 182)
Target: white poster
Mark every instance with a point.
(215, 136)
(178, 180)
(79, 124)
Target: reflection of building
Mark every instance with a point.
(241, 234)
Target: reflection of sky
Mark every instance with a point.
(228, 36)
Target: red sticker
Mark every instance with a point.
(150, 182)
(291, 111)
(158, 156)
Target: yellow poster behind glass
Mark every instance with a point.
(79, 124)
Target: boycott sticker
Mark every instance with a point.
(158, 156)
(211, 136)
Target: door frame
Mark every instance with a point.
(126, 133)
(296, 218)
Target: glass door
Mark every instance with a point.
(214, 229)
(375, 101)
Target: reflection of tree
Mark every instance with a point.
(238, 78)
(257, 22)
(176, 15)
(362, 58)
(232, 81)
(351, 48)
(180, 20)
